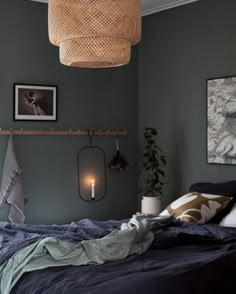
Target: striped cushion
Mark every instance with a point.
(196, 207)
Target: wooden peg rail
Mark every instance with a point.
(70, 132)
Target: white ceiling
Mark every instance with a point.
(153, 6)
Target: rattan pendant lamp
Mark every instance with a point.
(94, 33)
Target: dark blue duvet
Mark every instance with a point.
(184, 258)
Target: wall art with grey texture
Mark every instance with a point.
(221, 120)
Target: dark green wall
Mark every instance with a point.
(180, 49)
(103, 98)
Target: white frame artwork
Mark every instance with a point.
(35, 102)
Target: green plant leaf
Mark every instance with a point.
(154, 132)
(161, 172)
(152, 162)
(163, 161)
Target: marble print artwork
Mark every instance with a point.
(221, 116)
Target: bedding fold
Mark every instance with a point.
(134, 237)
(193, 258)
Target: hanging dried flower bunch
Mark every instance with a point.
(118, 162)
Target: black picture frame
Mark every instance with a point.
(35, 102)
(220, 120)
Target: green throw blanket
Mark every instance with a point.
(134, 237)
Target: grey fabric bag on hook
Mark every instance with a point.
(11, 185)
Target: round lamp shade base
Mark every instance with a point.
(95, 52)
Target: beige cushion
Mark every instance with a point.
(196, 207)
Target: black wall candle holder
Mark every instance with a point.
(92, 178)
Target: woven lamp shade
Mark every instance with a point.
(94, 33)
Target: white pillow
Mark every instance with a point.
(230, 219)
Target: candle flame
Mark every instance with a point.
(89, 180)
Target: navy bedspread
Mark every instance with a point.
(184, 258)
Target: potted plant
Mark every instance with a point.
(152, 170)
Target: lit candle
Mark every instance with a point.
(93, 189)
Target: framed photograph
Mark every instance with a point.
(221, 120)
(35, 102)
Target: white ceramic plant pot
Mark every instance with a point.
(151, 205)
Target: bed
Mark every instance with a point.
(168, 257)
(183, 258)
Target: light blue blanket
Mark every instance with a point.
(134, 237)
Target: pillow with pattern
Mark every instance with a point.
(224, 189)
(196, 207)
